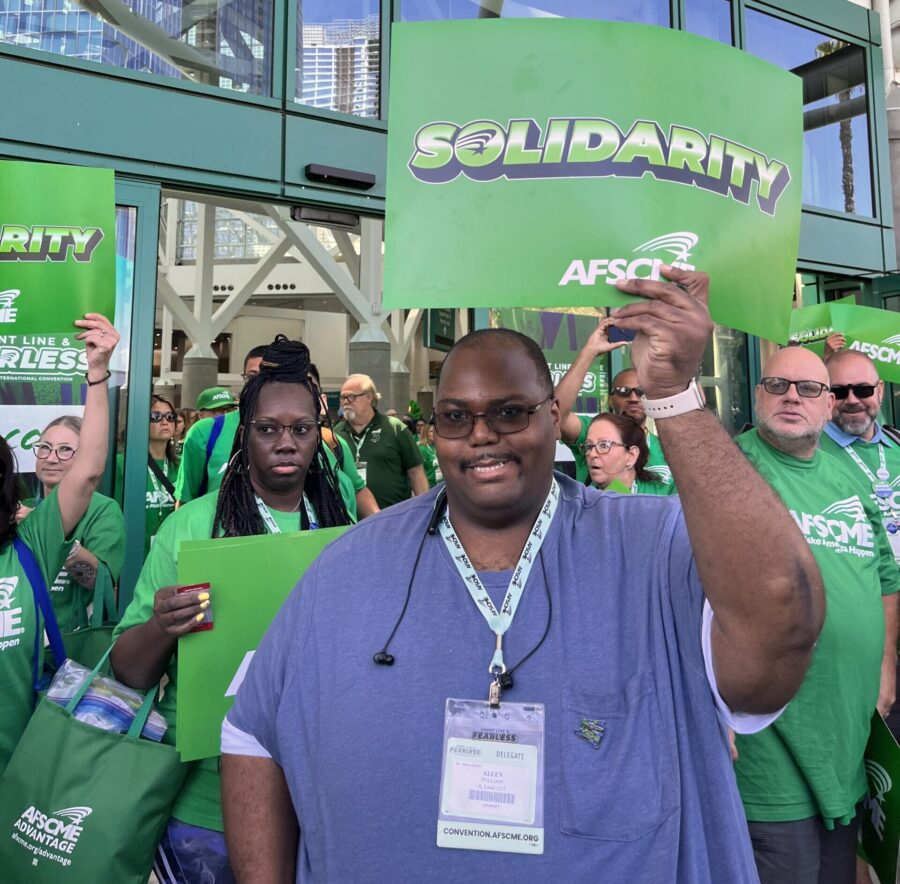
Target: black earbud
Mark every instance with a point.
(382, 658)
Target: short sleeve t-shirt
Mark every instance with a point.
(810, 761)
(388, 450)
(194, 463)
(198, 802)
(621, 646)
(101, 531)
(430, 462)
(43, 534)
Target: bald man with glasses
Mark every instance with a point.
(802, 779)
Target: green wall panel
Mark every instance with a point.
(848, 246)
(309, 140)
(104, 116)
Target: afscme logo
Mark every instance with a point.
(842, 524)
(595, 147)
(852, 507)
(894, 339)
(884, 352)
(879, 779)
(679, 245)
(76, 814)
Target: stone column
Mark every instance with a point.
(200, 372)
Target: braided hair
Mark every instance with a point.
(285, 362)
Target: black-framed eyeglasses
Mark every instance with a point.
(601, 446)
(247, 375)
(861, 391)
(351, 397)
(627, 391)
(158, 416)
(806, 389)
(270, 431)
(43, 450)
(456, 423)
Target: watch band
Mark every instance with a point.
(681, 403)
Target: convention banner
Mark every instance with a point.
(244, 600)
(536, 162)
(21, 426)
(880, 829)
(57, 262)
(873, 332)
(810, 326)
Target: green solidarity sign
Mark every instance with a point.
(212, 664)
(873, 332)
(880, 829)
(810, 326)
(565, 155)
(57, 262)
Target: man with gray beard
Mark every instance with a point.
(802, 779)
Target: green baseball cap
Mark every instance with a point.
(215, 397)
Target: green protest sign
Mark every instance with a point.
(562, 155)
(880, 829)
(873, 332)
(212, 664)
(57, 262)
(811, 325)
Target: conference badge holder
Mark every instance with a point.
(361, 469)
(492, 777)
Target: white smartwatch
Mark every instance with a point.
(681, 403)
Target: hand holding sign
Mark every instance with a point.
(673, 326)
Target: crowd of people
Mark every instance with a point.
(686, 641)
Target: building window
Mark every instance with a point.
(339, 56)
(709, 18)
(221, 43)
(648, 12)
(836, 161)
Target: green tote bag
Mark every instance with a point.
(80, 805)
(87, 645)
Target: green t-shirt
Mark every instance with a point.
(656, 463)
(388, 450)
(349, 479)
(430, 462)
(665, 489)
(810, 761)
(194, 464)
(101, 531)
(198, 803)
(159, 503)
(43, 534)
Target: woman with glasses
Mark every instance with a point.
(46, 534)
(96, 556)
(162, 468)
(278, 480)
(616, 452)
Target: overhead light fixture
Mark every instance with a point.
(325, 217)
(340, 177)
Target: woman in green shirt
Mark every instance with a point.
(162, 468)
(616, 452)
(96, 557)
(47, 534)
(429, 455)
(277, 480)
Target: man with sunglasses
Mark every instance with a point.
(854, 433)
(576, 731)
(802, 779)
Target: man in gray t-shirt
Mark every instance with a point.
(386, 731)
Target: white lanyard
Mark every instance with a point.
(358, 444)
(499, 621)
(156, 487)
(272, 525)
(883, 473)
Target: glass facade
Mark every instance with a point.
(709, 18)
(648, 12)
(836, 158)
(224, 44)
(339, 56)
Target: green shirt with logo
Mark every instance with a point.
(656, 463)
(198, 803)
(810, 761)
(430, 462)
(43, 534)
(160, 504)
(388, 450)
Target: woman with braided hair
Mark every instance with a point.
(277, 480)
